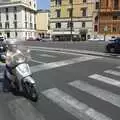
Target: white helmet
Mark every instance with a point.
(11, 44)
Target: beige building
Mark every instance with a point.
(84, 12)
(42, 23)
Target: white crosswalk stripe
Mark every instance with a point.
(106, 80)
(97, 92)
(73, 106)
(118, 67)
(112, 72)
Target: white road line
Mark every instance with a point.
(78, 51)
(47, 55)
(57, 64)
(105, 80)
(37, 61)
(107, 96)
(22, 109)
(78, 109)
(112, 72)
(59, 52)
(118, 67)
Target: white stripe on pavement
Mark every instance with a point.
(37, 61)
(53, 51)
(107, 96)
(22, 109)
(52, 65)
(118, 67)
(73, 106)
(74, 50)
(47, 55)
(112, 72)
(105, 80)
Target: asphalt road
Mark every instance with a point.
(71, 85)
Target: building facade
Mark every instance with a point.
(42, 23)
(17, 18)
(110, 17)
(82, 13)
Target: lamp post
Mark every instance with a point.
(71, 22)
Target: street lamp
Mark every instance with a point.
(71, 22)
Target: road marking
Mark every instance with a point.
(107, 96)
(78, 54)
(22, 109)
(73, 106)
(37, 61)
(112, 72)
(78, 51)
(47, 55)
(57, 64)
(118, 67)
(105, 80)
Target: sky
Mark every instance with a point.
(43, 4)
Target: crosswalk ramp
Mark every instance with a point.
(80, 109)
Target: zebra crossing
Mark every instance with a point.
(79, 109)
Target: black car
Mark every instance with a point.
(113, 45)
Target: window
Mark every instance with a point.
(114, 29)
(95, 28)
(58, 13)
(0, 25)
(84, 1)
(30, 18)
(7, 17)
(58, 2)
(25, 24)
(15, 17)
(116, 4)
(70, 12)
(70, 1)
(8, 34)
(84, 12)
(58, 25)
(16, 34)
(69, 24)
(97, 5)
(7, 25)
(15, 9)
(96, 19)
(6, 10)
(83, 24)
(115, 17)
(30, 3)
(31, 26)
(0, 15)
(25, 15)
(15, 25)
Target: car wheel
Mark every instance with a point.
(112, 50)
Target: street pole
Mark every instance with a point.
(71, 22)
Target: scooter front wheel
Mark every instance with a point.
(30, 91)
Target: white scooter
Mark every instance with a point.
(20, 76)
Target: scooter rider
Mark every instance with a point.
(11, 54)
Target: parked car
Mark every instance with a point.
(113, 45)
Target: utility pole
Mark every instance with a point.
(71, 22)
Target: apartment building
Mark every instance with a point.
(17, 18)
(43, 23)
(110, 17)
(83, 14)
